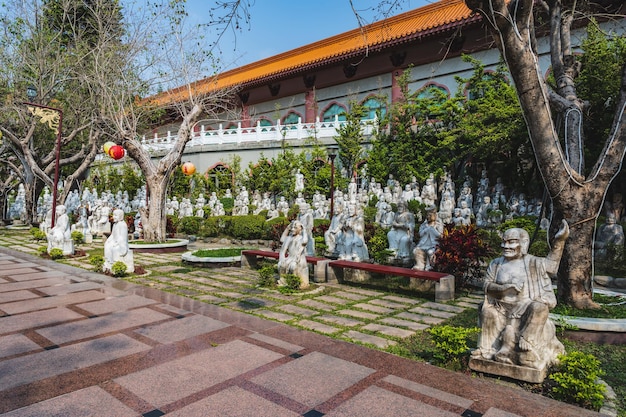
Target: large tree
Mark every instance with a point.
(577, 193)
(47, 46)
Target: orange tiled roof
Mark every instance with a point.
(414, 24)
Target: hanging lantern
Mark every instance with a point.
(107, 146)
(188, 168)
(116, 152)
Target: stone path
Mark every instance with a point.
(204, 342)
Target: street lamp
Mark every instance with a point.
(332, 154)
(54, 118)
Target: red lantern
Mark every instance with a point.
(116, 152)
(188, 168)
(107, 147)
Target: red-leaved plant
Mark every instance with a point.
(461, 252)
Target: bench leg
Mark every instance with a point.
(444, 289)
(248, 261)
(319, 271)
(334, 275)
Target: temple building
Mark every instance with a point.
(305, 92)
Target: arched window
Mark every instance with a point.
(291, 119)
(220, 177)
(334, 110)
(265, 123)
(432, 97)
(373, 106)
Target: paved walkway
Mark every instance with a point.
(78, 343)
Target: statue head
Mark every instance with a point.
(610, 218)
(118, 215)
(515, 243)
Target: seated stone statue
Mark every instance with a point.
(400, 236)
(60, 236)
(429, 233)
(515, 328)
(292, 255)
(351, 241)
(116, 245)
(330, 236)
(609, 234)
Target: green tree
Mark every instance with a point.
(350, 139)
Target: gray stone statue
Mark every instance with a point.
(400, 236)
(60, 236)
(610, 234)
(516, 332)
(430, 231)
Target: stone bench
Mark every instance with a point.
(444, 283)
(250, 258)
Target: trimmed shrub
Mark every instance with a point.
(38, 234)
(190, 225)
(248, 227)
(97, 261)
(576, 379)
(118, 269)
(267, 276)
(292, 283)
(78, 237)
(56, 253)
(451, 344)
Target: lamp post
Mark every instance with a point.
(54, 118)
(332, 154)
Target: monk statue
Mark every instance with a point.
(292, 255)
(515, 328)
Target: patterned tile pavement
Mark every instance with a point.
(197, 342)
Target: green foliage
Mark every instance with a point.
(189, 225)
(377, 243)
(248, 227)
(292, 283)
(461, 252)
(56, 253)
(576, 380)
(42, 250)
(350, 137)
(38, 234)
(77, 237)
(267, 276)
(451, 343)
(599, 84)
(118, 269)
(97, 261)
(218, 253)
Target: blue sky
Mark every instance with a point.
(278, 26)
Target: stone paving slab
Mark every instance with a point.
(376, 401)
(37, 319)
(318, 305)
(69, 288)
(445, 307)
(14, 344)
(359, 314)
(275, 315)
(403, 300)
(374, 308)
(50, 302)
(81, 403)
(332, 376)
(66, 359)
(388, 330)
(388, 304)
(117, 321)
(184, 328)
(404, 323)
(234, 401)
(185, 377)
(318, 327)
(420, 318)
(298, 311)
(342, 321)
(432, 312)
(111, 305)
(369, 339)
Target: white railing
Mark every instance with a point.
(258, 133)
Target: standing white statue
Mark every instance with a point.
(116, 246)
(430, 231)
(299, 181)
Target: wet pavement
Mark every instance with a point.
(190, 343)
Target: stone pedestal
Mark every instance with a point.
(522, 373)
